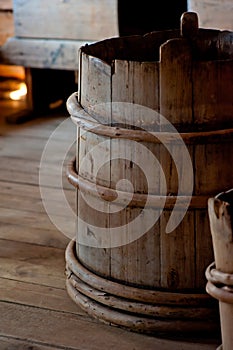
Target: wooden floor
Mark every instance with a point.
(36, 312)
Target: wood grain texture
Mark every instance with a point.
(51, 327)
(177, 247)
(212, 106)
(36, 295)
(21, 231)
(96, 215)
(220, 215)
(130, 78)
(212, 92)
(30, 263)
(12, 343)
(6, 26)
(213, 13)
(94, 72)
(83, 20)
(36, 311)
(41, 53)
(134, 262)
(164, 78)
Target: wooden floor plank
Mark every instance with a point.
(29, 191)
(9, 343)
(15, 216)
(67, 330)
(14, 170)
(26, 262)
(17, 159)
(39, 220)
(38, 296)
(28, 197)
(41, 129)
(23, 233)
(35, 205)
(32, 148)
(36, 311)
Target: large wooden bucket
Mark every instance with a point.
(155, 110)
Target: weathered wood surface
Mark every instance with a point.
(221, 218)
(30, 263)
(37, 295)
(146, 74)
(49, 35)
(213, 13)
(95, 73)
(127, 261)
(63, 330)
(164, 79)
(36, 311)
(41, 53)
(69, 20)
(212, 91)
(6, 26)
(177, 247)
(6, 31)
(26, 197)
(12, 343)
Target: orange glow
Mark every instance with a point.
(20, 93)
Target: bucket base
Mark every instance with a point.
(137, 309)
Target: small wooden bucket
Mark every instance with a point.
(219, 274)
(155, 110)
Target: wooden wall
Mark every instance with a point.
(6, 31)
(67, 20)
(213, 13)
(6, 20)
(48, 34)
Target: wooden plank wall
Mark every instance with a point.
(49, 34)
(6, 31)
(70, 19)
(213, 13)
(6, 20)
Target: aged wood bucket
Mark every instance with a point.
(219, 274)
(154, 135)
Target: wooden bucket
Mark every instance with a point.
(220, 273)
(155, 110)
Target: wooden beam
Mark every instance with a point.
(41, 53)
(82, 20)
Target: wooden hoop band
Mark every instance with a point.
(138, 200)
(162, 311)
(217, 277)
(129, 292)
(218, 284)
(139, 323)
(84, 120)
